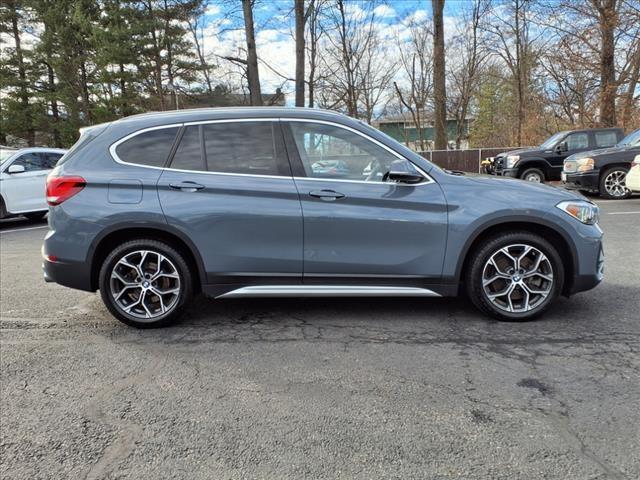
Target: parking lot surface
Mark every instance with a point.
(323, 388)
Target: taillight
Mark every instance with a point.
(63, 188)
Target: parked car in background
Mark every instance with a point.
(22, 181)
(154, 208)
(543, 163)
(603, 171)
(633, 177)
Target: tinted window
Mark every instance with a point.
(606, 139)
(33, 162)
(52, 159)
(188, 155)
(241, 147)
(576, 141)
(335, 153)
(148, 148)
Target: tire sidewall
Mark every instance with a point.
(186, 282)
(527, 171)
(488, 248)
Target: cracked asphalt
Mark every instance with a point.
(348, 388)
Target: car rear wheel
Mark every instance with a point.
(612, 183)
(533, 175)
(514, 276)
(145, 283)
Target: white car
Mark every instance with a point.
(633, 176)
(22, 181)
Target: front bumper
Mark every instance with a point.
(589, 181)
(508, 172)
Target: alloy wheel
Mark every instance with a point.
(614, 183)
(145, 284)
(517, 278)
(533, 177)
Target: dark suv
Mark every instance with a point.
(603, 171)
(544, 162)
(252, 202)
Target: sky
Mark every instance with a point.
(223, 35)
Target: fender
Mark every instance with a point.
(149, 226)
(503, 220)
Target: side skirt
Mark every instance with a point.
(326, 291)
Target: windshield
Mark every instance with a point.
(550, 142)
(5, 153)
(630, 140)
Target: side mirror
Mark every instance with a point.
(402, 177)
(562, 147)
(15, 169)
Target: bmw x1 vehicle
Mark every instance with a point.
(155, 208)
(603, 171)
(544, 162)
(23, 174)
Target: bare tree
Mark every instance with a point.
(465, 68)
(253, 76)
(439, 76)
(416, 62)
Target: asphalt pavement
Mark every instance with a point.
(322, 388)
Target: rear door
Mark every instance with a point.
(359, 228)
(229, 189)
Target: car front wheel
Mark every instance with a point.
(612, 183)
(145, 283)
(533, 175)
(514, 276)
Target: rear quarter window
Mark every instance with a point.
(149, 148)
(606, 139)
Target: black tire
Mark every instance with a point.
(486, 250)
(35, 216)
(531, 173)
(606, 191)
(177, 261)
(3, 209)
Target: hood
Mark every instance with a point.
(593, 153)
(521, 188)
(520, 151)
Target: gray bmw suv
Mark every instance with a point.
(250, 202)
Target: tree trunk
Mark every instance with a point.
(253, 76)
(300, 60)
(22, 74)
(608, 86)
(439, 79)
(55, 111)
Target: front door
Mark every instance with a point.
(359, 227)
(229, 189)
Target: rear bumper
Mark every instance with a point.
(68, 274)
(589, 181)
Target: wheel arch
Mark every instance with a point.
(119, 234)
(555, 235)
(540, 163)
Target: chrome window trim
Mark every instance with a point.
(117, 159)
(427, 177)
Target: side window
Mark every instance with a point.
(32, 162)
(52, 159)
(606, 139)
(241, 147)
(576, 141)
(150, 148)
(332, 152)
(188, 155)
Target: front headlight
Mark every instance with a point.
(583, 211)
(585, 164)
(512, 160)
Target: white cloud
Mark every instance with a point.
(384, 11)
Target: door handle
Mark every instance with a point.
(326, 195)
(186, 186)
